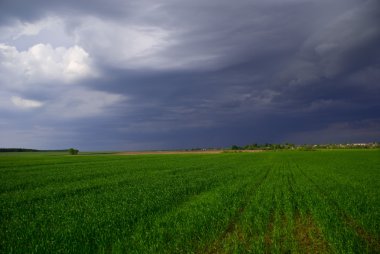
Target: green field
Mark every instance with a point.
(269, 202)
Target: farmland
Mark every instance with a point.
(269, 202)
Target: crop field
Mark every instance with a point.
(268, 202)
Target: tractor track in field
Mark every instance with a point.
(268, 241)
(232, 226)
(372, 242)
(308, 235)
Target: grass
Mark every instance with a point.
(270, 202)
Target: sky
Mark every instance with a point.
(172, 74)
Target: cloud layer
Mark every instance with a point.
(163, 74)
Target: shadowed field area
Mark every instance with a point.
(270, 202)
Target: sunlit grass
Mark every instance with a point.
(273, 202)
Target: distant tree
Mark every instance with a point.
(235, 147)
(73, 151)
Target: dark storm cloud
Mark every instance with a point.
(231, 72)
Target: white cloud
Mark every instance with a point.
(29, 29)
(42, 63)
(126, 44)
(20, 29)
(25, 103)
(75, 102)
(43, 67)
(140, 46)
(122, 45)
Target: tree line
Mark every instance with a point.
(71, 151)
(265, 146)
(289, 146)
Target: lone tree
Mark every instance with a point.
(73, 151)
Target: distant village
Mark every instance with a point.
(289, 146)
